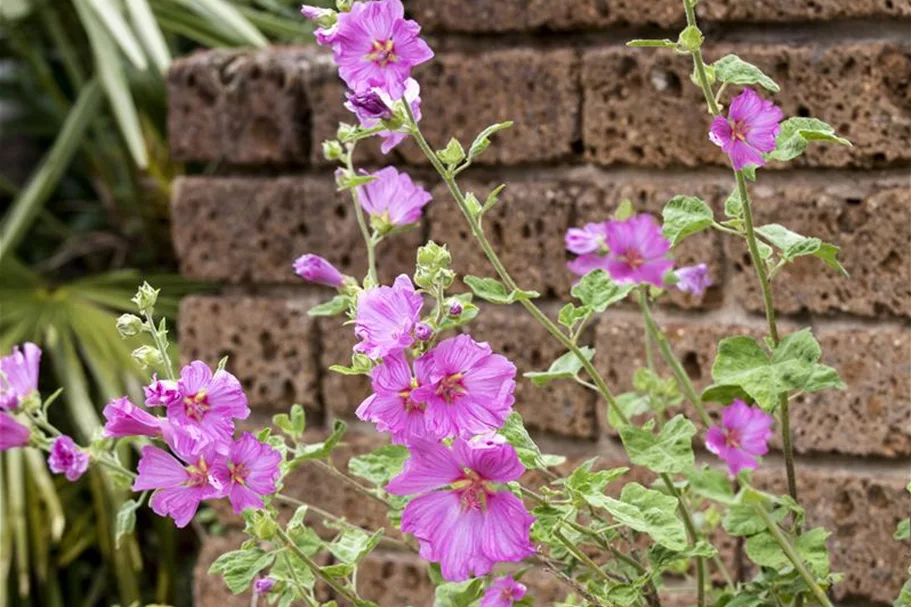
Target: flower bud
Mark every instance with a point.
(455, 309)
(433, 262)
(423, 331)
(263, 586)
(145, 298)
(368, 106)
(129, 325)
(315, 269)
(332, 149)
(147, 356)
(344, 6)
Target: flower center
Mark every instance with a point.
(383, 53)
(196, 405)
(199, 474)
(451, 388)
(472, 491)
(732, 438)
(739, 130)
(408, 403)
(239, 473)
(633, 258)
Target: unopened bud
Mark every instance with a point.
(145, 298)
(423, 331)
(332, 149)
(147, 356)
(455, 309)
(129, 325)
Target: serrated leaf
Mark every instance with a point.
(903, 530)
(631, 404)
(461, 594)
(589, 485)
(493, 198)
(671, 450)
(529, 454)
(797, 133)
(650, 512)
(811, 546)
(824, 377)
(742, 362)
(352, 545)
(733, 205)
(482, 141)
(598, 291)
(494, 291)
(712, 484)
(570, 315)
(453, 154)
(323, 449)
(794, 245)
(239, 567)
(731, 69)
(565, 367)
(335, 306)
(742, 520)
(684, 216)
(380, 465)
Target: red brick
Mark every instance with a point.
(630, 95)
(240, 229)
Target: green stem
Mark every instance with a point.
(351, 482)
(317, 570)
(793, 556)
(683, 380)
(361, 218)
(700, 64)
(162, 346)
(503, 273)
(551, 566)
(581, 556)
(691, 531)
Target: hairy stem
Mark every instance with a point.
(503, 273)
(793, 556)
(365, 491)
(683, 380)
(361, 218)
(317, 570)
(162, 347)
(691, 532)
(550, 565)
(581, 556)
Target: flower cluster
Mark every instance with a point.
(203, 460)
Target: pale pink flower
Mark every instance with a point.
(503, 592)
(638, 251)
(386, 318)
(743, 436)
(249, 471)
(749, 130)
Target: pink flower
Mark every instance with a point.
(325, 20)
(391, 406)
(393, 198)
(467, 388)
(386, 318)
(743, 437)
(208, 402)
(263, 585)
(161, 392)
(248, 472)
(637, 251)
(12, 433)
(126, 419)
(19, 375)
(375, 46)
(317, 270)
(459, 518)
(750, 129)
(180, 485)
(369, 107)
(591, 238)
(503, 592)
(67, 458)
(693, 279)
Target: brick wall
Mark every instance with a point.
(595, 123)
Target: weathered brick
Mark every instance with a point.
(861, 509)
(872, 225)
(629, 96)
(341, 393)
(872, 417)
(270, 342)
(241, 229)
(530, 15)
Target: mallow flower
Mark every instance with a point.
(317, 270)
(590, 244)
(460, 519)
(637, 251)
(503, 592)
(326, 21)
(386, 318)
(693, 279)
(249, 471)
(391, 406)
(19, 375)
(126, 419)
(466, 387)
(67, 458)
(180, 484)
(161, 392)
(375, 46)
(750, 128)
(392, 199)
(12, 433)
(743, 436)
(208, 402)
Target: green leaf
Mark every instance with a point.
(109, 14)
(598, 291)
(149, 33)
(794, 245)
(797, 133)
(493, 198)
(462, 594)
(904, 596)
(624, 210)
(646, 43)
(684, 216)
(731, 69)
(379, 465)
(589, 485)
(529, 453)
(712, 484)
(733, 205)
(482, 141)
(903, 530)
(239, 567)
(742, 520)
(352, 545)
(565, 367)
(690, 39)
(453, 154)
(670, 451)
(492, 290)
(660, 557)
(650, 512)
(570, 315)
(324, 449)
(811, 546)
(335, 306)
(824, 377)
(227, 15)
(742, 362)
(631, 404)
(126, 520)
(469, 312)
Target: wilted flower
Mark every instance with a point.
(67, 458)
(750, 128)
(743, 436)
